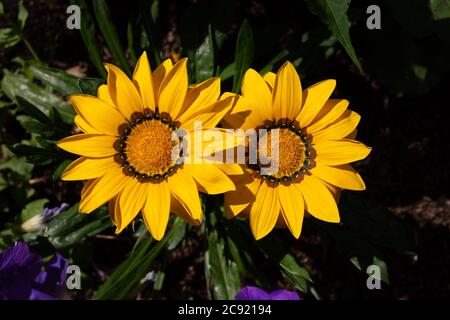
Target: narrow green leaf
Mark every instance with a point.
(23, 15)
(244, 54)
(88, 34)
(109, 32)
(34, 112)
(150, 15)
(60, 169)
(71, 227)
(16, 85)
(8, 37)
(221, 272)
(205, 58)
(125, 281)
(228, 72)
(58, 79)
(334, 14)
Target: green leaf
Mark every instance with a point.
(71, 227)
(440, 9)
(34, 112)
(15, 85)
(33, 208)
(18, 165)
(8, 37)
(88, 34)
(58, 79)
(34, 126)
(221, 272)
(89, 85)
(244, 54)
(23, 15)
(124, 282)
(150, 15)
(334, 14)
(204, 58)
(228, 72)
(60, 169)
(241, 245)
(275, 250)
(109, 32)
(362, 266)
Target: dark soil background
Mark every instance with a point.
(407, 170)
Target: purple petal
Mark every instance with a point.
(252, 293)
(284, 295)
(18, 268)
(52, 279)
(39, 295)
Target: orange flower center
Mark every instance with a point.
(148, 147)
(284, 153)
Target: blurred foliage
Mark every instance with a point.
(407, 57)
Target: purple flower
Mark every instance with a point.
(254, 293)
(21, 277)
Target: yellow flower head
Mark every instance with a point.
(128, 141)
(315, 138)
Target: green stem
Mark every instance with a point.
(30, 48)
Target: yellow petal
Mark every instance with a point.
(210, 119)
(319, 201)
(292, 208)
(123, 92)
(103, 94)
(335, 152)
(142, 78)
(131, 201)
(210, 178)
(159, 74)
(199, 97)
(255, 89)
(242, 114)
(84, 126)
(180, 211)
(343, 176)
(157, 208)
(237, 201)
(342, 128)
(330, 112)
(89, 145)
(98, 114)
(315, 98)
(184, 188)
(114, 210)
(287, 93)
(102, 190)
(173, 89)
(231, 169)
(88, 168)
(270, 77)
(265, 211)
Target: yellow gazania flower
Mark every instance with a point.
(128, 140)
(315, 148)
